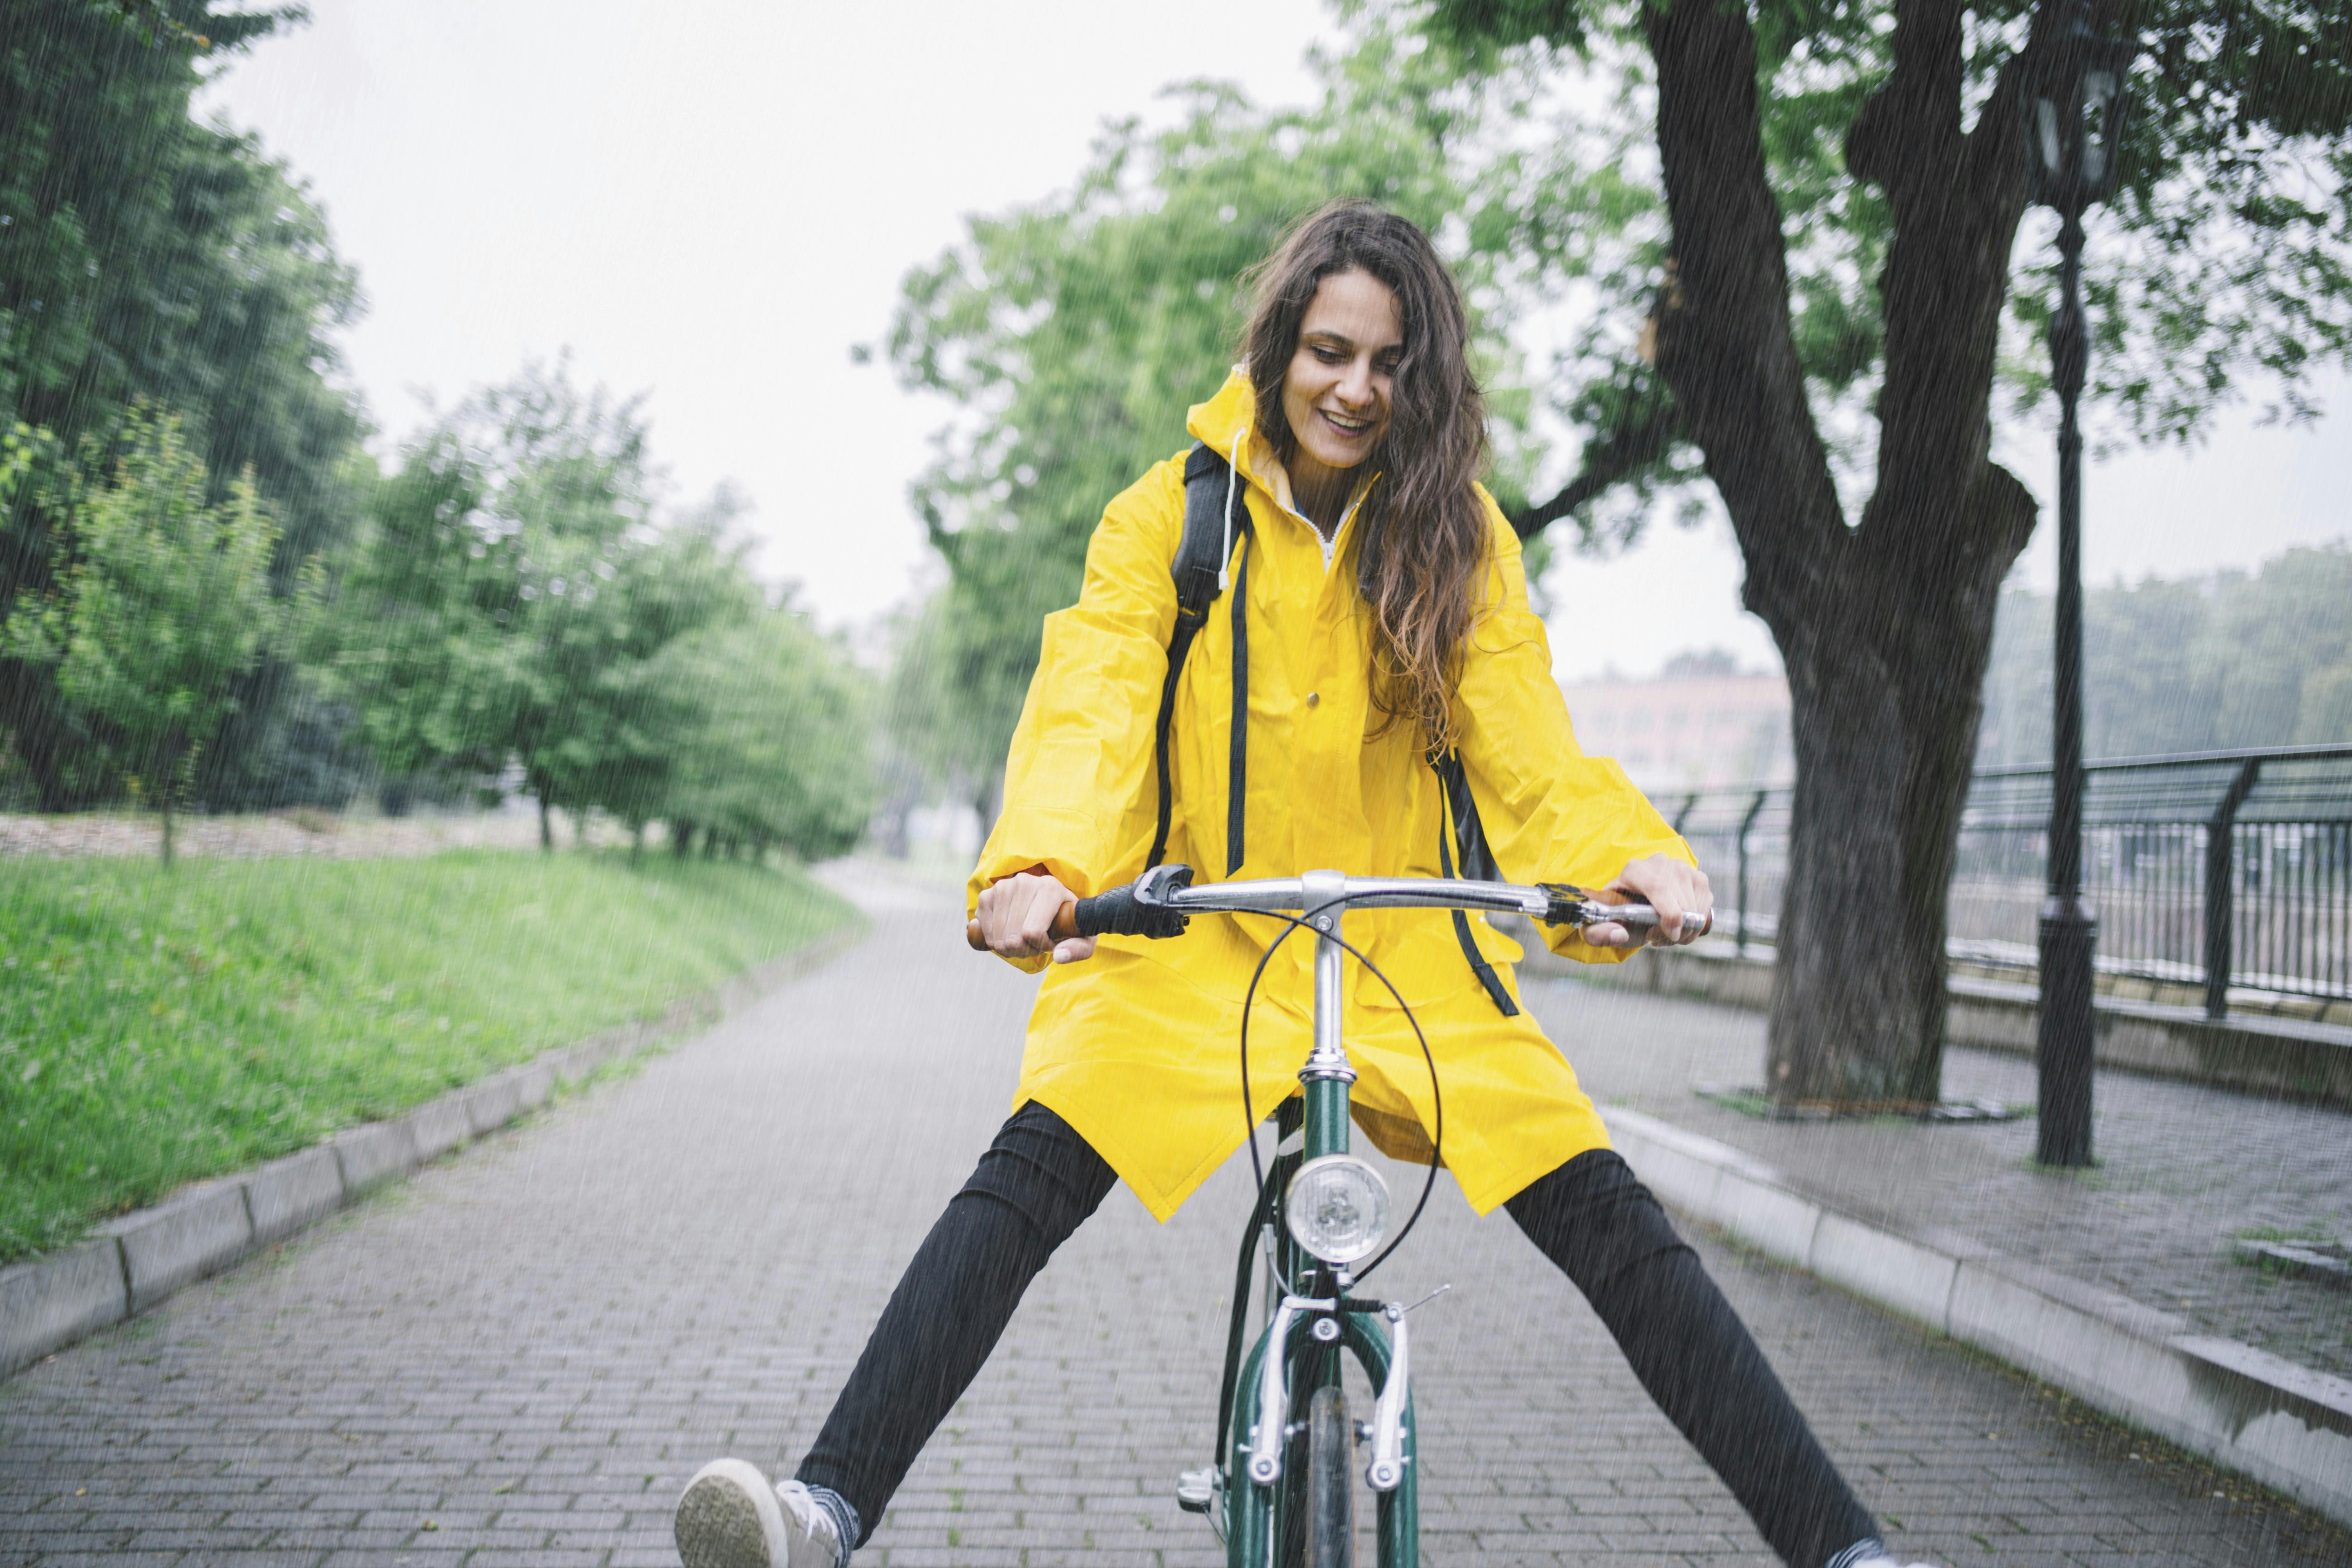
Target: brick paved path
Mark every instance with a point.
(518, 1358)
(2183, 1169)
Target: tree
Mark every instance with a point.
(143, 256)
(1832, 297)
(779, 750)
(934, 742)
(512, 573)
(477, 607)
(162, 603)
(1072, 335)
(2230, 659)
(636, 719)
(517, 602)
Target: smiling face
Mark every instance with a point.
(1334, 396)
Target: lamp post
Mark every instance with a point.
(2074, 105)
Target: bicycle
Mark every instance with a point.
(1295, 1502)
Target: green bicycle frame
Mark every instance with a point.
(1259, 1489)
(1256, 1514)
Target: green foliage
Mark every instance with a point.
(773, 744)
(2225, 660)
(1071, 336)
(514, 602)
(145, 257)
(162, 603)
(156, 1030)
(930, 736)
(17, 445)
(518, 601)
(2218, 270)
(511, 572)
(90, 148)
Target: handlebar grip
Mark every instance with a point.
(1646, 915)
(1139, 909)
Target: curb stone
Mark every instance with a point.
(491, 1104)
(439, 1126)
(375, 1154)
(198, 1232)
(49, 1304)
(133, 1262)
(2286, 1425)
(287, 1195)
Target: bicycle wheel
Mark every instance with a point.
(1330, 1493)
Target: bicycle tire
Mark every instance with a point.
(1331, 1488)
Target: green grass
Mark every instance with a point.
(2307, 1234)
(158, 1027)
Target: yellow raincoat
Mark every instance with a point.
(1136, 1047)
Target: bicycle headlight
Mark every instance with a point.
(1336, 1208)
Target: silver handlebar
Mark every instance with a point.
(1289, 895)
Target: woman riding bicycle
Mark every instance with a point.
(1374, 628)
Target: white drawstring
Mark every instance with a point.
(1232, 475)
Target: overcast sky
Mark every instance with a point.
(713, 202)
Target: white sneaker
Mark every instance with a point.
(1878, 1558)
(729, 1516)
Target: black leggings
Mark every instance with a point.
(1040, 1180)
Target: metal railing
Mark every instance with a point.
(2219, 870)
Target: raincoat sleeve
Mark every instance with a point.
(1078, 797)
(1551, 812)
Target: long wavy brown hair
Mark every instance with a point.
(1423, 542)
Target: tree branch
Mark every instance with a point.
(1956, 198)
(1725, 347)
(1907, 137)
(1642, 434)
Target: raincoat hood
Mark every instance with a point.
(1227, 424)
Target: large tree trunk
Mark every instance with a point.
(1884, 627)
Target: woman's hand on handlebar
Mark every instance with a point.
(1676, 888)
(1016, 918)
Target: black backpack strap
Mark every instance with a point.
(1462, 825)
(1199, 562)
(1237, 783)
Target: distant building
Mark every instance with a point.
(1699, 724)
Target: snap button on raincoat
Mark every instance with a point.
(1137, 1047)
